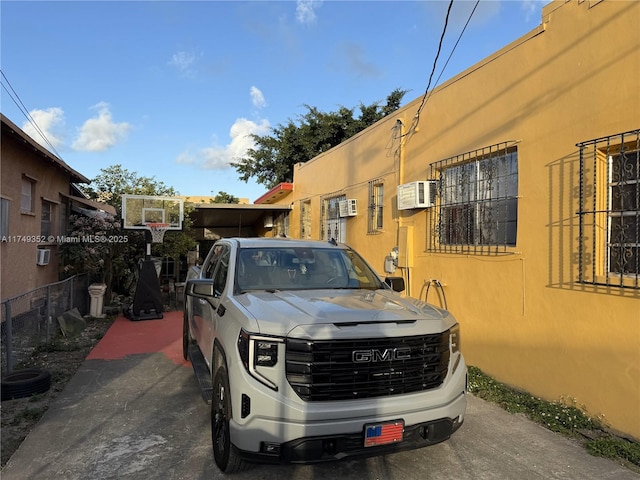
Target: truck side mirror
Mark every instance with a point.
(396, 283)
(200, 287)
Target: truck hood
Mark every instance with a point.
(319, 313)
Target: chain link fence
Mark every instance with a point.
(29, 320)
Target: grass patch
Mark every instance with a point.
(564, 417)
(615, 448)
(29, 415)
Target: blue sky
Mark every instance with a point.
(172, 89)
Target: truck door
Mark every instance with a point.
(213, 308)
(199, 306)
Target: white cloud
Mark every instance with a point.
(50, 122)
(100, 133)
(257, 98)
(306, 10)
(185, 158)
(183, 62)
(218, 158)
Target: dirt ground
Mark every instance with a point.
(62, 358)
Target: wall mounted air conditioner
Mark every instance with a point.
(268, 221)
(348, 208)
(44, 254)
(420, 194)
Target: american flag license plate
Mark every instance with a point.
(383, 433)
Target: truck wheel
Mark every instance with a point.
(186, 336)
(226, 455)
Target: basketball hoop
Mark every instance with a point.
(157, 231)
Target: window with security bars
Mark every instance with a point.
(305, 220)
(281, 225)
(477, 211)
(376, 205)
(332, 226)
(609, 211)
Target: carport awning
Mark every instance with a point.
(218, 215)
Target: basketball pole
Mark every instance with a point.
(147, 301)
(155, 215)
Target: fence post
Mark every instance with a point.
(72, 288)
(48, 320)
(9, 331)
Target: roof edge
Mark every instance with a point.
(281, 189)
(77, 177)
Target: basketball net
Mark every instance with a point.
(157, 231)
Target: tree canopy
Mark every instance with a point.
(224, 197)
(271, 161)
(115, 262)
(115, 181)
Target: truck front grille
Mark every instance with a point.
(366, 368)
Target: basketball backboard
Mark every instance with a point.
(140, 210)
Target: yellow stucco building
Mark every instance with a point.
(519, 209)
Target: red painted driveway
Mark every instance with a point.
(126, 337)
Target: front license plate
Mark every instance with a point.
(383, 433)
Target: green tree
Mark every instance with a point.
(224, 197)
(271, 161)
(115, 181)
(120, 259)
(89, 252)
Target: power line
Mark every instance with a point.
(457, 41)
(23, 109)
(427, 93)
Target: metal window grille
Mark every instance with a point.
(376, 207)
(331, 221)
(609, 211)
(305, 219)
(282, 224)
(477, 211)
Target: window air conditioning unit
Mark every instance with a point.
(348, 208)
(44, 254)
(417, 195)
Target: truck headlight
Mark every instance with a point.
(265, 353)
(454, 338)
(454, 345)
(259, 351)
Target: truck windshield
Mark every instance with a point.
(303, 268)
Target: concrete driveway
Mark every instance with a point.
(134, 411)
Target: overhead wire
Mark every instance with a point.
(427, 93)
(23, 109)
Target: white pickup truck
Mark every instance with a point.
(307, 355)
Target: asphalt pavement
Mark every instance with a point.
(134, 411)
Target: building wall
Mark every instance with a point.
(18, 251)
(525, 318)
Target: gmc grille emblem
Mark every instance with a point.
(378, 355)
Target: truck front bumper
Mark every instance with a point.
(335, 447)
(318, 438)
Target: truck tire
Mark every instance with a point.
(25, 383)
(225, 453)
